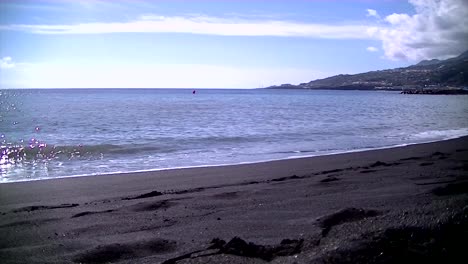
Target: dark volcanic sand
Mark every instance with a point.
(384, 206)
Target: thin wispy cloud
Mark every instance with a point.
(203, 25)
(19, 6)
(373, 13)
(436, 29)
(6, 63)
(61, 5)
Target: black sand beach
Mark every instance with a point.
(384, 206)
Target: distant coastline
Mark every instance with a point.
(427, 77)
(428, 91)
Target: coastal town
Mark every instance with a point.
(427, 77)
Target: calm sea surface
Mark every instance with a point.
(59, 133)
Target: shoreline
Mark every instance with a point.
(366, 207)
(236, 164)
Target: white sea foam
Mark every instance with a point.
(441, 134)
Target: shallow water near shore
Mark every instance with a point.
(59, 133)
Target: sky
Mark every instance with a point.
(218, 44)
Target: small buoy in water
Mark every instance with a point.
(194, 92)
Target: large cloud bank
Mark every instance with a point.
(438, 29)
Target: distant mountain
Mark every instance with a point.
(428, 73)
(428, 62)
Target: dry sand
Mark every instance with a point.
(382, 206)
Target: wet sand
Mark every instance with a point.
(383, 206)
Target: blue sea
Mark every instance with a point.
(69, 132)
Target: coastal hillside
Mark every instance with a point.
(428, 73)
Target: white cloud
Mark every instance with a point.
(372, 49)
(203, 25)
(55, 75)
(6, 63)
(372, 13)
(438, 29)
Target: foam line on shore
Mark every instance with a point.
(239, 163)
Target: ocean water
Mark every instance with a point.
(62, 132)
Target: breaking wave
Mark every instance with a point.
(12, 154)
(441, 134)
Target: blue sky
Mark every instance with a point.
(217, 44)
